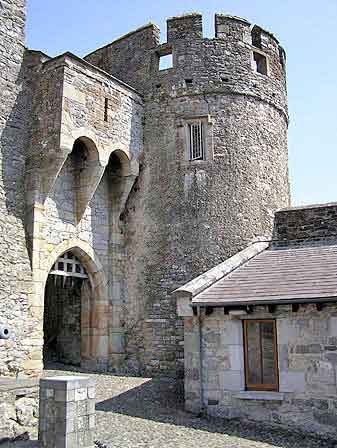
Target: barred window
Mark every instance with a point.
(196, 140)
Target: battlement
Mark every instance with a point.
(189, 26)
(184, 27)
(238, 50)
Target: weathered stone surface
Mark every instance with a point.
(300, 225)
(26, 411)
(18, 409)
(15, 280)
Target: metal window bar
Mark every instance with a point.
(68, 266)
(196, 141)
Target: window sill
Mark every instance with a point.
(260, 395)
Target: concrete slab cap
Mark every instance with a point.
(67, 382)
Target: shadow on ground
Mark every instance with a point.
(162, 401)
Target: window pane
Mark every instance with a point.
(268, 351)
(254, 353)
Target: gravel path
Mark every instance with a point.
(138, 412)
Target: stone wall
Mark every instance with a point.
(307, 359)
(19, 409)
(298, 225)
(187, 216)
(15, 280)
(128, 58)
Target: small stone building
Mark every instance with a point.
(260, 329)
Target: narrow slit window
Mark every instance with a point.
(261, 370)
(165, 61)
(106, 109)
(260, 63)
(196, 140)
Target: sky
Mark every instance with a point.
(307, 29)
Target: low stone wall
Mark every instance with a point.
(307, 362)
(19, 408)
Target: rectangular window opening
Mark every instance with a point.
(256, 37)
(166, 61)
(260, 63)
(261, 365)
(196, 140)
(106, 108)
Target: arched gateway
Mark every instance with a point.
(76, 311)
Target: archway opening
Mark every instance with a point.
(66, 311)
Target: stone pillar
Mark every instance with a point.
(67, 412)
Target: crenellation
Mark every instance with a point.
(188, 26)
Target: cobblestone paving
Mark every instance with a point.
(137, 413)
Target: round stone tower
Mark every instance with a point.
(216, 160)
(214, 166)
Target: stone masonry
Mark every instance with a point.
(92, 166)
(67, 412)
(15, 268)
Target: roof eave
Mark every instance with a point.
(238, 303)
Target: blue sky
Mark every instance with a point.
(306, 28)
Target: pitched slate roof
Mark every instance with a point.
(298, 274)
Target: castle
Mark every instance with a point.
(122, 180)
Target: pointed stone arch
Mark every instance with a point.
(127, 173)
(96, 309)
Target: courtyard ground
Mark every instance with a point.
(137, 412)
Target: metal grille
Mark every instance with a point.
(67, 265)
(196, 141)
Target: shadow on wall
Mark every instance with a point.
(161, 400)
(14, 141)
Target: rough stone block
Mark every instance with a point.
(81, 394)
